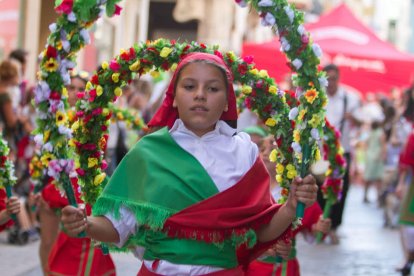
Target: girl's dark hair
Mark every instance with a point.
(231, 123)
(8, 71)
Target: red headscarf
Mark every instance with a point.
(167, 114)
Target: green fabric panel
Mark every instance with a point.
(193, 252)
(157, 175)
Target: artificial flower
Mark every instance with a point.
(270, 122)
(99, 179)
(165, 52)
(311, 95)
(51, 65)
(272, 156)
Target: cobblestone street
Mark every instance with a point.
(366, 248)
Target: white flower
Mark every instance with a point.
(265, 3)
(65, 77)
(65, 131)
(301, 29)
(315, 134)
(285, 44)
(48, 147)
(38, 139)
(299, 92)
(297, 63)
(66, 45)
(268, 20)
(296, 147)
(323, 81)
(317, 50)
(72, 17)
(293, 113)
(85, 36)
(53, 27)
(242, 3)
(290, 13)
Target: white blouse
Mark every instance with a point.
(225, 165)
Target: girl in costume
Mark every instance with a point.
(405, 187)
(61, 254)
(312, 223)
(192, 198)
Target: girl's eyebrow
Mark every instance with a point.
(193, 79)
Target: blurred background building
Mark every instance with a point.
(24, 23)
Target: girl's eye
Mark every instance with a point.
(188, 87)
(213, 89)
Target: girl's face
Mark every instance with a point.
(200, 96)
(76, 85)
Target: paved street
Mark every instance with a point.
(366, 248)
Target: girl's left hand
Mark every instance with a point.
(12, 205)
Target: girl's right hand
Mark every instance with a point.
(13, 206)
(282, 249)
(74, 220)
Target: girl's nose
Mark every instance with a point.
(200, 94)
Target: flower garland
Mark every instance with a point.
(298, 47)
(104, 87)
(7, 177)
(68, 35)
(131, 117)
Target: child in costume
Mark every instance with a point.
(7, 208)
(192, 198)
(61, 254)
(312, 223)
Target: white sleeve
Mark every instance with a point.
(125, 226)
(249, 146)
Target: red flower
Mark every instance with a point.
(339, 159)
(89, 147)
(279, 142)
(218, 53)
(104, 128)
(165, 65)
(51, 52)
(79, 114)
(267, 108)
(118, 10)
(54, 95)
(242, 68)
(248, 103)
(97, 111)
(65, 7)
(80, 172)
(202, 45)
(104, 165)
(2, 160)
(95, 79)
(80, 95)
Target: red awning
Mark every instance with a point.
(367, 63)
(9, 21)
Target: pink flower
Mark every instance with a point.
(248, 59)
(104, 165)
(114, 66)
(80, 171)
(65, 7)
(97, 111)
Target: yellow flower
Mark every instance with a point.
(315, 121)
(59, 45)
(92, 162)
(272, 156)
(120, 116)
(77, 163)
(341, 150)
(71, 115)
(272, 89)
(279, 178)
(254, 71)
(328, 172)
(263, 74)
(325, 102)
(165, 52)
(105, 111)
(317, 154)
(296, 136)
(51, 65)
(88, 86)
(232, 56)
(246, 89)
(105, 65)
(155, 74)
(122, 51)
(280, 168)
(99, 179)
(135, 66)
(173, 67)
(75, 126)
(60, 118)
(291, 174)
(311, 95)
(71, 142)
(302, 114)
(99, 90)
(115, 77)
(65, 92)
(290, 167)
(270, 122)
(46, 136)
(118, 91)
(46, 158)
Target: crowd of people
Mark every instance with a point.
(205, 179)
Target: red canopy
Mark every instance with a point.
(9, 20)
(367, 63)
